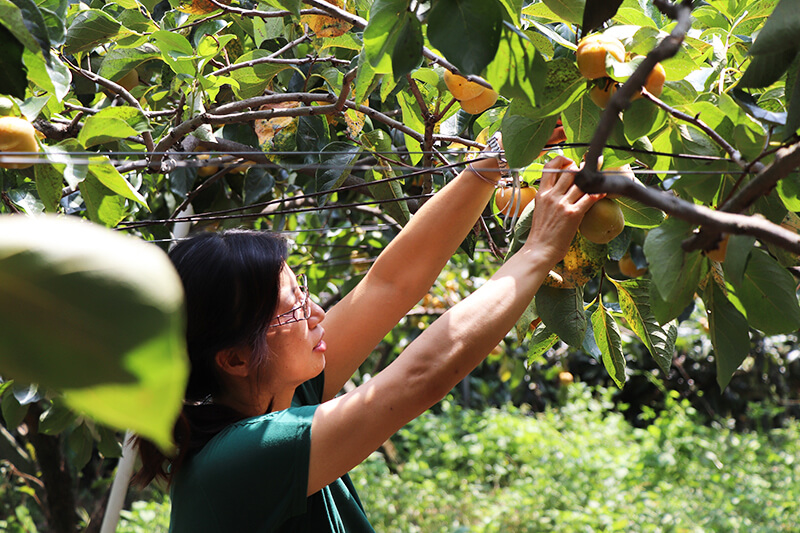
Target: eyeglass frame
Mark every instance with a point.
(305, 305)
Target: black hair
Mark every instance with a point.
(231, 283)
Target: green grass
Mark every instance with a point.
(580, 467)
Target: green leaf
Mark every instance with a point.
(14, 80)
(673, 270)
(597, 12)
(291, 5)
(641, 119)
(780, 31)
(768, 294)
(525, 321)
(407, 51)
(729, 333)
(638, 215)
(13, 412)
(108, 445)
(580, 121)
(102, 169)
(80, 444)
(606, 334)
(563, 86)
(49, 183)
(119, 61)
(518, 69)
(386, 19)
(542, 340)
(467, 32)
(51, 76)
(793, 114)
(513, 9)
(176, 51)
(100, 130)
(561, 310)
(335, 163)
(89, 29)
(789, 191)
(111, 309)
(634, 299)
(568, 10)
(103, 205)
(32, 25)
(387, 189)
(766, 69)
(739, 247)
(57, 418)
(254, 79)
(524, 137)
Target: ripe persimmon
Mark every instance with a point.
(601, 93)
(460, 87)
(17, 135)
(508, 202)
(479, 104)
(629, 268)
(591, 55)
(719, 253)
(603, 221)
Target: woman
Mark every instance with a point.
(265, 444)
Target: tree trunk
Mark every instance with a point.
(59, 497)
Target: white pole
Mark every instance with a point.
(119, 488)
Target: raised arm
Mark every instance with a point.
(346, 429)
(403, 273)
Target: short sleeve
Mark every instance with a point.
(253, 476)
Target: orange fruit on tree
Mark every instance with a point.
(655, 82)
(601, 93)
(206, 170)
(591, 55)
(17, 135)
(479, 104)
(508, 202)
(461, 88)
(558, 136)
(603, 221)
(719, 253)
(629, 268)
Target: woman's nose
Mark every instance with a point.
(317, 313)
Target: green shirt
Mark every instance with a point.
(253, 476)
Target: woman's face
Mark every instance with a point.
(296, 348)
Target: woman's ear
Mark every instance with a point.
(234, 361)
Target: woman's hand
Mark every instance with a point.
(559, 209)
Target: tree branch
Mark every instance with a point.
(116, 89)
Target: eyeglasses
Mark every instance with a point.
(299, 312)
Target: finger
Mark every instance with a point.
(550, 174)
(588, 200)
(566, 178)
(574, 194)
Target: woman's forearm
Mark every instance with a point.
(416, 256)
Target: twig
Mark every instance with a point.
(117, 89)
(735, 155)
